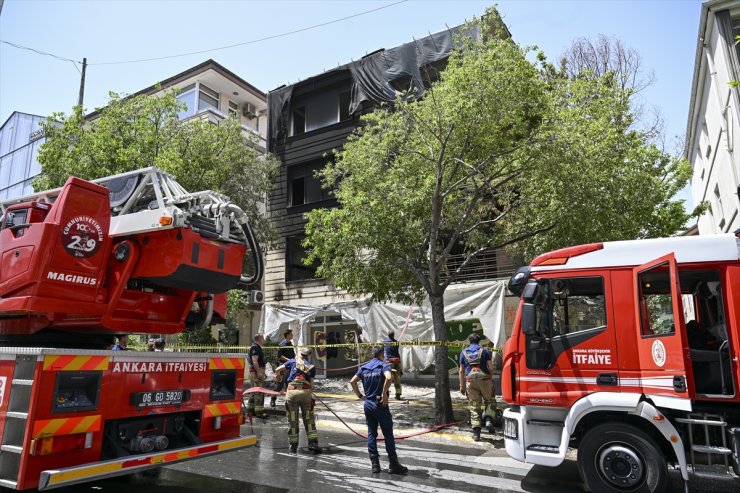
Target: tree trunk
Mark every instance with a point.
(442, 399)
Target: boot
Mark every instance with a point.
(476, 434)
(396, 467)
(294, 447)
(314, 447)
(375, 460)
(273, 402)
(398, 397)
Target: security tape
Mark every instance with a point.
(352, 345)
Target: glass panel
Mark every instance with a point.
(5, 170)
(189, 99)
(207, 98)
(656, 302)
(20, 165)
(578, 304)
(35, 168)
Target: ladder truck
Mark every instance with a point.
(628, 352)
(130, 253)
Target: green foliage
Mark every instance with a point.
(141, 131)
(198, 337)
(597, 178)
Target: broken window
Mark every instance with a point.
(303, 185)
(295, 252)
(299, 120)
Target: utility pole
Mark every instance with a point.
(82, 82)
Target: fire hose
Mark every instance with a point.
(263, 390)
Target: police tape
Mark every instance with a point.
(350, 345)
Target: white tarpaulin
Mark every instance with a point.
(480, 300)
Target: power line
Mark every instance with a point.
(253, 41)
(40, 52)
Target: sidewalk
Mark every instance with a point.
(414, 413)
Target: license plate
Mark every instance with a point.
(157, 398)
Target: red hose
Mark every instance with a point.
(263, 390)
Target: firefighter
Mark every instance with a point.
(256, 404)
(301, 373)
(393, 358)
(285, 352)
(476, 369)
(376, 381)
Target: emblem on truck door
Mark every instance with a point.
(82, 237)
(658, 352)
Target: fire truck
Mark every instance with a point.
(628, 352)
(131, 253)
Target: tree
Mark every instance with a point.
(610, 59)
(141, 131)
(487, 159)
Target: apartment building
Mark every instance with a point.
(209, 90)
(308, 121)
(713, 129)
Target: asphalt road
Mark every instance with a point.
(437, 463)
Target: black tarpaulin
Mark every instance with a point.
(372, 77)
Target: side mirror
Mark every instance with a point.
(528, 319)
(9, 220)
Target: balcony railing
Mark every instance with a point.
(216, 116)
(493, 264)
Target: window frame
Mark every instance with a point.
(293, 244)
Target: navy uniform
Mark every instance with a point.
(299, 397)
(376, 377)
(476, 383)
(284, 353)
(392, 355)
(256, 403)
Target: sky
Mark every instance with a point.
(663, 31)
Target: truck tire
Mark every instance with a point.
(620, 458)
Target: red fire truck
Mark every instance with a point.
(628, 352)
(131, 253)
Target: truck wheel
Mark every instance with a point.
(620, 458)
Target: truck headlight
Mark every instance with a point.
(511, 428)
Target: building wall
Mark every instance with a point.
(19, 143)
(714, 134)
(324, 134)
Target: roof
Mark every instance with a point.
(687, 249)
(186, 74)
(20, 113)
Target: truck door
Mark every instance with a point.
(661, 336)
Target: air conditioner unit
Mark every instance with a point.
(256, 296)
(249, 111)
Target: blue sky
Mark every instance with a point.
(664, 32)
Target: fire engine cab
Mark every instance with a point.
(131, 253)
(628, 352)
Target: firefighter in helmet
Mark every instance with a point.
(476, 369)
(301, 373)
